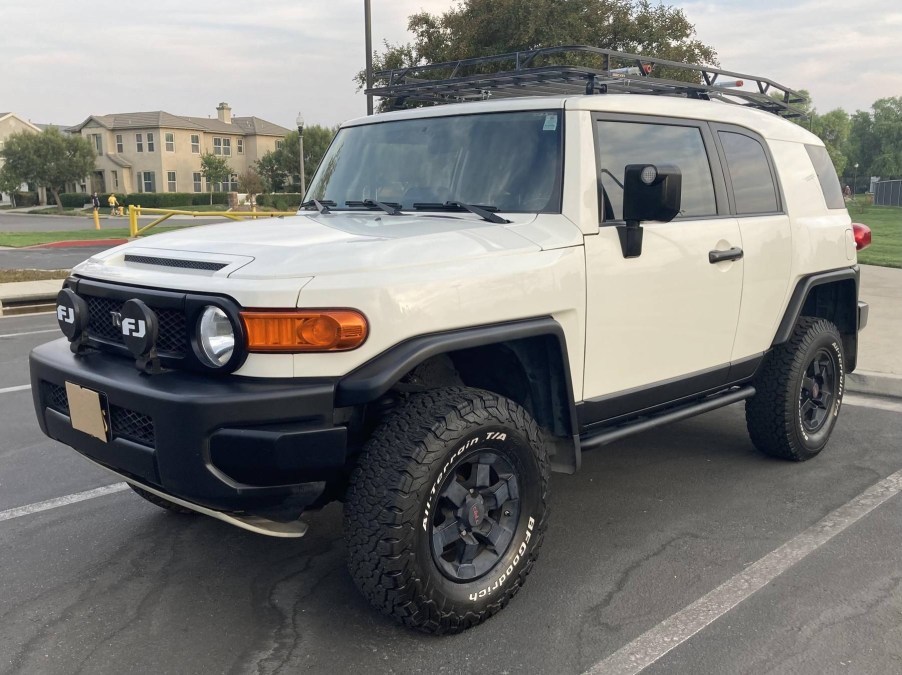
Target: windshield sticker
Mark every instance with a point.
(550, 123)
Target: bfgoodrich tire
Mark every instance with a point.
(799, 392)
(447, 508)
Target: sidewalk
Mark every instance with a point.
(879, 352)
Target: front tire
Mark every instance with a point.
(447, 509)
(799, 392)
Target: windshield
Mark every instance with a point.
(505, 161)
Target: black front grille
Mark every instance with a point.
(173, 339)
(55, 398)
(132, 425)
(125, 423)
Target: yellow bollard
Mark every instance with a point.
(96, 219)
(132, 220)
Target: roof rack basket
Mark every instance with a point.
(572, 70)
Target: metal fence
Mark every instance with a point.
(888, 193)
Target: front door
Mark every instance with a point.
(98, 184)
(669, 316)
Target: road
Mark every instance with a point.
(45, 258)
(649, 525)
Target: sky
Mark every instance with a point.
(61, 61)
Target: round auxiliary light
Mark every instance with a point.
(71, 314)
(215, 337)
(649, 175)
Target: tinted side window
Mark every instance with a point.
(753, 183)
(623, 143)
(826, 175)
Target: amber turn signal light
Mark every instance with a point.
(326, 330)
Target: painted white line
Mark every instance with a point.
(676, 629)
(9, 390)
(875, 403)
(32, 332)
(20, 511)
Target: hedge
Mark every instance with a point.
(24, 199)
(152, 200)
(281, 201)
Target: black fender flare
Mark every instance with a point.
(374, 378)
(800, 294)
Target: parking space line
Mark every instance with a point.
(9, 390)
(31, 332)
(676, 629)
(20, 511)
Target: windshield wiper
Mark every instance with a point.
(484, 212)
(391, 208)
(321, 206)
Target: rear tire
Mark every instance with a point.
(799, 392)
(447, 508)
(162, 503)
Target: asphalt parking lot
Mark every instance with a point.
(650, 526)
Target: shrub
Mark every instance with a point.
(24, 199)
(282, 201)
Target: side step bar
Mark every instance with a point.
(591, 441)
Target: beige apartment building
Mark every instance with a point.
(160, 152)
(10, 123)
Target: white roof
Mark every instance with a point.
(767, 124)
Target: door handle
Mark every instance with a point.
(734, 253)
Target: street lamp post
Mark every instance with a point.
(300, 123)
(855, 179)
(368, 41)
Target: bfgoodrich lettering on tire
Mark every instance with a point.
(799, 392)
(447, 508)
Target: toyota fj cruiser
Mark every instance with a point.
(472, 296)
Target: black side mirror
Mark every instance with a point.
(649, 193)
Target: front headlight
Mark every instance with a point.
(215, 337)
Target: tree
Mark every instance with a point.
(9, 183)
(249, 181)
(486, 27)
(269, 168)
(888, 129)
(276, 166)
(49, 159)
(215, 169)
(833, 129)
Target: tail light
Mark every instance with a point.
(862, 234)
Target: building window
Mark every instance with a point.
(119, 145)
(98, 143)
(170, 181)
(139, 144)
(149, 141)
(229, 185)
(147, 181)
(115, 176)
(195, 144)
(227, 147)
(197, 183)
(217, 146)
(279, 144)
(170, 142)
(240, 143)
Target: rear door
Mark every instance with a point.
(662, 325)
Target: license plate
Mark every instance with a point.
(89, 411)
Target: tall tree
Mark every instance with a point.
(269, 166)
(888, 129)
(316, 141)
(833, 129)
(249, 181)
(215, 169)
(49, 159)
(485, 27)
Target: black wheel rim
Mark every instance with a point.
(476, 514)
(819, 387)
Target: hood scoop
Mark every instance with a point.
(205, 265)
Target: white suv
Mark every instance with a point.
(473, 295)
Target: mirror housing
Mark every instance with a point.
(650, 192)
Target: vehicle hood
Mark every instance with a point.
(316, 244)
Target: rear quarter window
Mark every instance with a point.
(826, 176)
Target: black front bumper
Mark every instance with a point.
(244, 446)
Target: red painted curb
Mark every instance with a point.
(76, 243)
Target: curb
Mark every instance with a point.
(78, 243)
(876, 384)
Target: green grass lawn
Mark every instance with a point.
(31, 275)
(19, 239)
(886, 234)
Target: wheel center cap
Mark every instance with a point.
(815, 390)
(475, 512)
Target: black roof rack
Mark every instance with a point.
(575, 69)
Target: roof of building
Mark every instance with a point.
(242, 126)
(36, 127)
